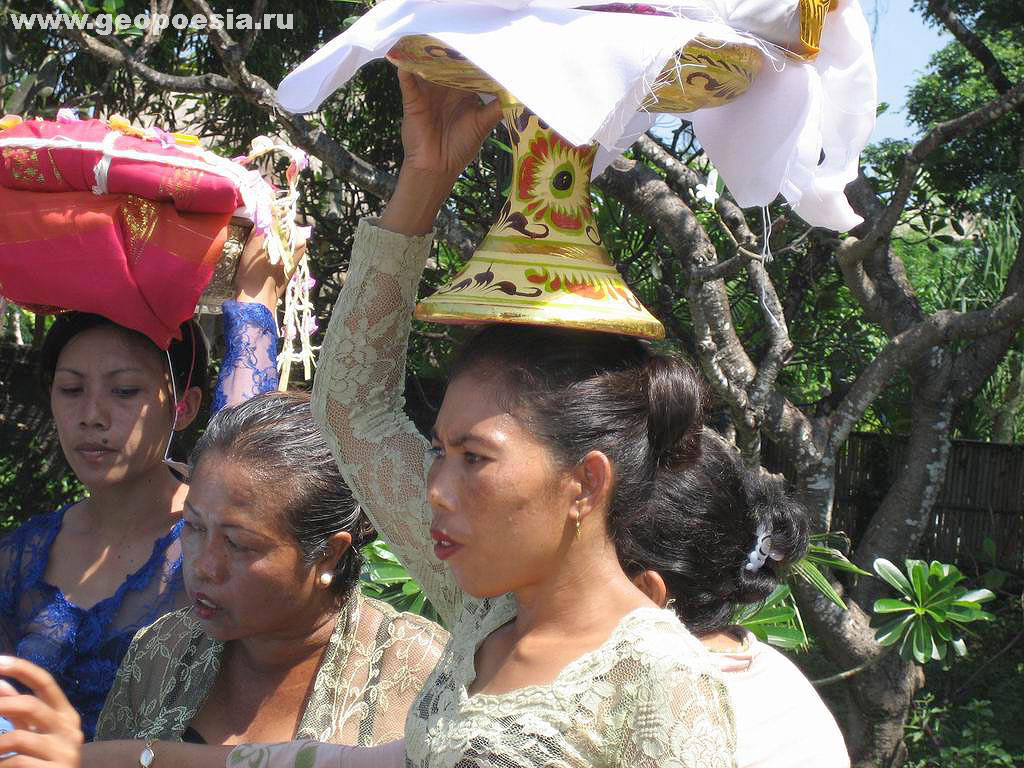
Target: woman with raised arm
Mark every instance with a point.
(546, 444)
(77, 583)
(543, 454)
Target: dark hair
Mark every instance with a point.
(189, 355)
(276, 438)
(702, 522)
(582, 391)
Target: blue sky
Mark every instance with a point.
(903, 45)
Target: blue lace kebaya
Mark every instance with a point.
(250, 354)
(83, 647)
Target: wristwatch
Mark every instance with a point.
(147, 755)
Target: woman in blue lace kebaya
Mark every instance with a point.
(78, 582)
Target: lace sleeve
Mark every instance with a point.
(683, 719)
(312, 754)
(250, 355)
(357, 398)
(117, 720)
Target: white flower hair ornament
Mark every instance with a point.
(762, 551)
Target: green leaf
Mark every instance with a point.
(789, 638)
(388, 574)
(942, 590)
(918, 578)
(922, 642)
(890, 632)
(889, 605)
(988, 547)
(975, 596)
(965, 613)
(417, 604)
(410, 588)
(500, 144)
(890, 574)
(831, 557)
(942, 630)
(809, 572)
(775, 615)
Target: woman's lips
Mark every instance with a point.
(204, 607)
(94, 453)
(444, 547)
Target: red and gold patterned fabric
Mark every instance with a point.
(141, 263)
(99, 220)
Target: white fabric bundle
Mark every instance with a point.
(588, 74)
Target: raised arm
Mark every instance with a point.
(250, 329)
(357, 394)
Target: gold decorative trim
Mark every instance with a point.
(24, 164)
(140, 218)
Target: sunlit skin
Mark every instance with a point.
(492, 485)
(249, 587)
(111, 404)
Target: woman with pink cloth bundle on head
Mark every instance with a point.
(78, 582)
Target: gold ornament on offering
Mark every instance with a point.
(543, 262)
(812, 22)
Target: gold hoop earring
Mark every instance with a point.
(579, 525)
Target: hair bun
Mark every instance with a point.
(785, 521)
(675, 411)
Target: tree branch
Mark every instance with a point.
(779, 345)
(682, 179)
(176, 83)
(993, 70)
(938, 330)
(853, 249)
(315, 140)
(259, 7)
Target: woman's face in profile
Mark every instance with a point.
(244, 574)
(111, 403)
(500, 504)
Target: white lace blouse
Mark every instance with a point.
(646, 698)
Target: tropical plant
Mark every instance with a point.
(385, 578)
(931, 612)
(776, 621)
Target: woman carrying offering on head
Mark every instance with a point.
(77, 583)
(542, 454)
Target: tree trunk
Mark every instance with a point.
(1004, 422)
(879, 697)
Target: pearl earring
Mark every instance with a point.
(325, 579)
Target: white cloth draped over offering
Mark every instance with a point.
(797, 131)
